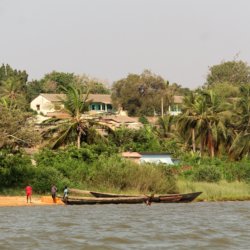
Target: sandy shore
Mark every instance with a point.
(13, 201)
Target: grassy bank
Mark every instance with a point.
(221, 191)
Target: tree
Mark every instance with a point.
(206, 118)
(13, 87)
(65, 130)
(93, 85)
(234, 72)
(76, 127)
(51, 83)
(187, 120)
(141, 94)
(165, 126)
(241, 143)
(225, 90)
(16, 129)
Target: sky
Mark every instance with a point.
(108, 39)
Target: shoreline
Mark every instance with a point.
(18, 201)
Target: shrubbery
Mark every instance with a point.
(99, 167)
(213, 170)
(16, 169)
(207, 173)
(117, 173)
(45, 177)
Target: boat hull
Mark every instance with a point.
(157, 198)
(93, 201)
(168, 198)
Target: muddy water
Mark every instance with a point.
(219, 225)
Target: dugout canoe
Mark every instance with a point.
(114, 200)
(118, 200)
(156, 198)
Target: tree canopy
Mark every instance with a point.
(142, 94)
(16, 129)
(234, 72)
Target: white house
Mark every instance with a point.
(49, 103)
(156, 158)
(175, 108)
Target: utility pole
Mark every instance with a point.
(162, 107)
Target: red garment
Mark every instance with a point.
(28, 190)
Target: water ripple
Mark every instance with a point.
(222, 225)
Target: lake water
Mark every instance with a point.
(218, 225)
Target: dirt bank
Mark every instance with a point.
(13, 201)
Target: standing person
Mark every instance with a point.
(28, 190)
(65, 193)
(53, 193)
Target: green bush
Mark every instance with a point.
(15, 169)
(207, 173)
(117, 173)
(237, 171)
(45, 177)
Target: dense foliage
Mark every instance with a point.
(88, 167)
(143, 94)
(211, 137)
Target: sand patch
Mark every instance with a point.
(13, 201)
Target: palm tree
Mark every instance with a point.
(12, 93)
(76, 126)
(165, 126)
(187, 120)
(241, 143)
(205, 118)
(212, 122)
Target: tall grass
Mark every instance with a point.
(221, 191)
(121, 175)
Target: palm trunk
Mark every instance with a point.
(211, 145)
(193, 139)
(201, 148)
(79, 139)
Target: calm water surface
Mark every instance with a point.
(221, 225)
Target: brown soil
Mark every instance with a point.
(13, 201)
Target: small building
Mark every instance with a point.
(175, 108)
(100, 103)
(134, 156)
(50, 103)
(156, 158)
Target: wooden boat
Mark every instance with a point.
(114, 200)
(184, 198)
(109, 195)
(157, 198)
(168, 198)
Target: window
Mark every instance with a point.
(109, 107)
(37, 107)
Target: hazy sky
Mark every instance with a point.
(178, 39)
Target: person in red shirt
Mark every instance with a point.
(28, 190)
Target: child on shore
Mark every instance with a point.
(28, 190)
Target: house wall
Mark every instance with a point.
(100, 107)
(45, 105)
(134, 159)
(157, 159)
(174, 109)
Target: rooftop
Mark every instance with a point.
(92, 97)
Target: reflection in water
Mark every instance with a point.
(222, 225)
